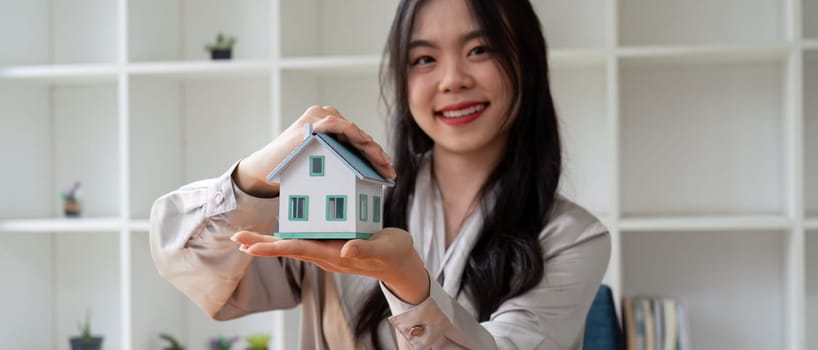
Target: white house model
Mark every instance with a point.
(328, 191)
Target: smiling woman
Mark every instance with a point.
(479, 250)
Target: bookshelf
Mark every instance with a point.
(690, 129)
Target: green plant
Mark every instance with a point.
(222, 43)
(257, 341)
(85, 327)
(174, 344)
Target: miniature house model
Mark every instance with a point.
(328, 191)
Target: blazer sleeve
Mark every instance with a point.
(549, 316)
(190, 244)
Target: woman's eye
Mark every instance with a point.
(422, 60)
(479, 50)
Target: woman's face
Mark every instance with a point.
(458, 94)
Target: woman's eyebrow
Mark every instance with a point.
(474, 34)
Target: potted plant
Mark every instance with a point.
(71, 202)
(174, 344)
(257, 341)
(222, 342)
(222, 48)
(85, 341)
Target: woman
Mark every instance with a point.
(479, 251)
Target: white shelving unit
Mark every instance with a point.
(691, 129)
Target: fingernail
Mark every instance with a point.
(392, 173)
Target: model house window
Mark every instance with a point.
(376, 209)
(336, 208)
(316, 165)
(362, 207)
(298, 208)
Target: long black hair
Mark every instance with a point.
(507, 256)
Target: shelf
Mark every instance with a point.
(368, 64)
(61, 225)
(141, 225)
(705, 223)
(202, 69)
(811, 44)
(811, 224)
(57, 74)
(704, 54)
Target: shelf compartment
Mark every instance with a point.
(62, 74)
(705, 223)
(721, 277)
(58, 32)
(158, 307)
(60, 280)
(330, 32)
(356, 96)
(697, 22)
(811, 273)
(178, 30)
(709, 54)
(328, 65)
(579, 97)
(192, 130)
(59, 135)
(686, 147)
(811, 133)
(202, 69)
(574, 24)
(52, 225)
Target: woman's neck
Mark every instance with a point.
(459, 178)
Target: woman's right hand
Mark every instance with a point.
(251, 173)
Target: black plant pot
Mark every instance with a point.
(79, 343)
(221, 54)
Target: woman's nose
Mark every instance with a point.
(455, 77)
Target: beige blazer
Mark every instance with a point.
(189, 237)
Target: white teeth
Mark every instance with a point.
(466, 111)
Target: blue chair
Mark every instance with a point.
(602, 331)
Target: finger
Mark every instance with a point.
(249, 238)
(296, 248)
(388, 243)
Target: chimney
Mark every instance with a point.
(307, 130)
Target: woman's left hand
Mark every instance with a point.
(388, 255)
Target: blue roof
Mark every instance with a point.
(349, 156)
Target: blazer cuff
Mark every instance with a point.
(425, 323)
